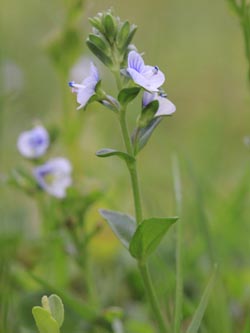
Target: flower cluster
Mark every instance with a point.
(53, 176)
(111, 43)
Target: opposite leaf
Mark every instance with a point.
(44, 321)
(123, 225)
(106, 152)
(126, 95)
(148, 236)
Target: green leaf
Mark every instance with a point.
(126, 95)
(199, 313)
(142, 135)
(56, 308)
(44, 321)
(99, 53)
(148, 236)
(106, 152)
(123, 225)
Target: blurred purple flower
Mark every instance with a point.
(86, 89)
(148, 77)
(166, 107)
(54, 176)
(33, 143)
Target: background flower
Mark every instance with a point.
(54, 176)
(33, 143)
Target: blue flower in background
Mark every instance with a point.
(86, 89)
(166, 107)
(54, 176)
(33, 143)
(148, 77)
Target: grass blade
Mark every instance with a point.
(199, 313)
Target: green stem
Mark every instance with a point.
(152, 297)
(138, 212)
(132, 167)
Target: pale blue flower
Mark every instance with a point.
(86, 89)
(54, 176)
(148, 77)
(33, 143)
(166, 107)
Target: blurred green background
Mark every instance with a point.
(199, 46)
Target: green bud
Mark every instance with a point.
(123, 35)
(100, 43)
(96, 23)
(110, 26)
(99, 53)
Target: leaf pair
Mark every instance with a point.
(140, 240)
(49, 318)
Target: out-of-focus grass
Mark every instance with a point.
(198, 44)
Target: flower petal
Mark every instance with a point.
(84, 95)
(166, 107)
(141, 80)
(148, 98)
(135, 61)
(154, 76)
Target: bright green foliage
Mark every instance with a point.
(44, 321)
(123, 225)
(49, 318)
(149, 235)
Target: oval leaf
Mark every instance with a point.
(123, 225)
(100, 43)
(56, 308)
(44, 321)
(148, 236)
(126, 95)
(106, 152)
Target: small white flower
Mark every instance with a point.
(166, 107)
(54, 176)
(148, 77)
(33, 143)
(86, 89)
